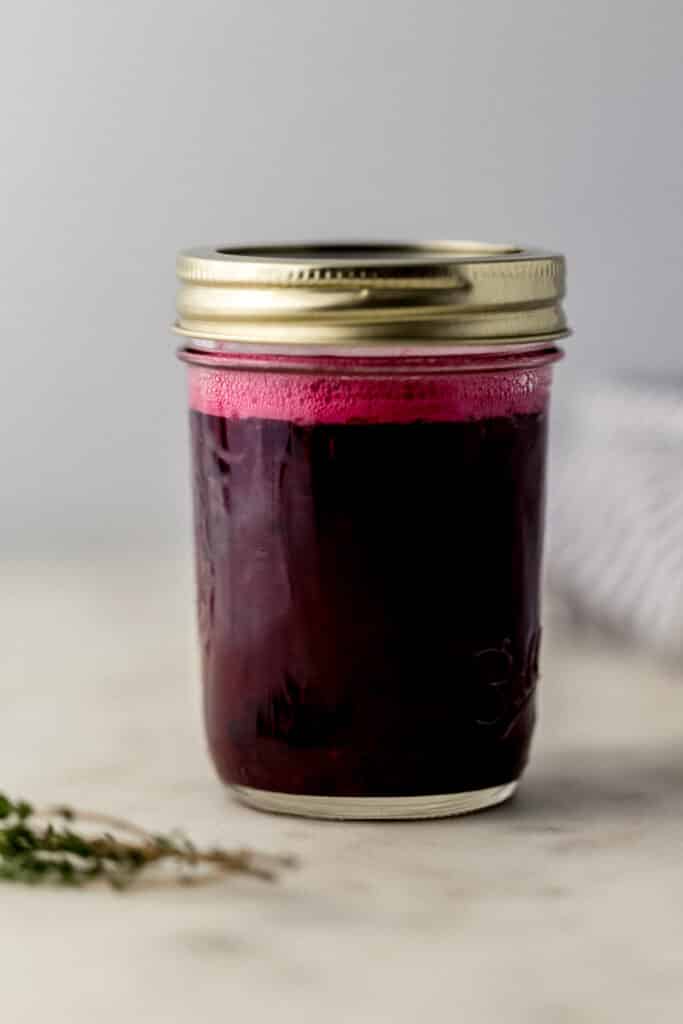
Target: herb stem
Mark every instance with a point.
(43, 845)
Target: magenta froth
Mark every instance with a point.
(320, 397)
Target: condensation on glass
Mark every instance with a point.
(369, 430)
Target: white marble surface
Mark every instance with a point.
(564, 906)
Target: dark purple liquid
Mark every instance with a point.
(369, 604)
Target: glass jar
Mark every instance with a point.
(369, 442)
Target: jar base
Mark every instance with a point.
(367, 808)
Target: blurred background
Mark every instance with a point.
(143, 126)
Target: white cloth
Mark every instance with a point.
(616, 513)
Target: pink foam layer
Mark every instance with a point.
(316, 398)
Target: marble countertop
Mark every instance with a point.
(563, 906)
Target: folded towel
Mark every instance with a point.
(615, 549)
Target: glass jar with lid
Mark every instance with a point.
(369, 431)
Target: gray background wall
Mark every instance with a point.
(135, 128)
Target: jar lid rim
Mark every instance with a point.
(371, 291)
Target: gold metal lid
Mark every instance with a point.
(451, 293)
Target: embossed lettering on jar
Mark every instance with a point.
(369, 432)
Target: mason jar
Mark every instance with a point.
(369, 430)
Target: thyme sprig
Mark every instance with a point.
(39, 846)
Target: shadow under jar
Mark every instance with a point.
(369, 442)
